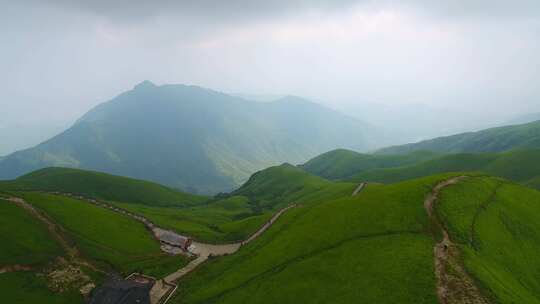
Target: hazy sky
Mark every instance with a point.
(60, 58)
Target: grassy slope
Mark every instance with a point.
(27, 287)
(521, 166)
(280, 186)
(497, 225)
(234, 217)
(106, 236)
(491, 140)
(344, 250)
(224, 219)
(341, 163)
(227, 220)
(534, 183)
(24, 239)
(102, 186)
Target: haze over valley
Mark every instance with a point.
(182, 152)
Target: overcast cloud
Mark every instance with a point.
(60, 58)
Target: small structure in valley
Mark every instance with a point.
(173, 239)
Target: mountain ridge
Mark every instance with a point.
(498, 139)
(195, 139)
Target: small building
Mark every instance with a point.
(174, 239)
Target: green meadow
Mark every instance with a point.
(344, 250)
(28, 287)
(102, 186)
(105, 236)
(497, 225)
(522, 166)
(25, 240)
(332, 248)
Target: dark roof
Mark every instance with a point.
(173, 238)
(118, 291)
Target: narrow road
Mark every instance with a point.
(454, 285)
(359, 188)
(203, 251)
(162, 287)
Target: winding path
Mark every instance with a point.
(359, 188)
(203, 251)
(454, 285)
(162, 290)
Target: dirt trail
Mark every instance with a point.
(162, 289)
(359, 188)
(157, 231)
(15, 268)
(72, 251)
(51, 227)
(454, 285)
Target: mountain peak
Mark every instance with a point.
(144, 85)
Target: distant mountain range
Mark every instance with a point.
(192, 138)
(498, 139)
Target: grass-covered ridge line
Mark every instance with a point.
(225, 218)
(282, 185)
(234, 217)
(102, 186)
(341, 163)
(112, 240)
(497, 226)
(520, 165)
(490, 140)
(343, 249)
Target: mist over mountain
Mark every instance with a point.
(525, 118)
(22, 135)
(192, 138)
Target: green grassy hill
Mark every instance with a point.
(280, 186)
(491, 140)
(27, 287)
(341, 163)
(235, 216)
(25, 240)
(497, 227)
(343, 250)
(102, 186)
(377, 247)
(522, 166)
(99, 241)
(104, 236)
